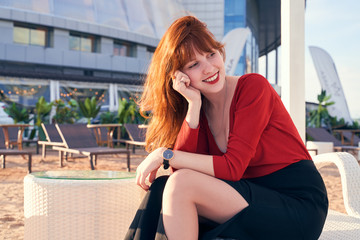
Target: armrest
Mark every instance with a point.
(350, 178)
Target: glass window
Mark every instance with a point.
(150, 52)
(122, 48)
(84, 42)
(81, 91)
(22, 35)
(37, 37)
(74, 42)
(23, 91)
(234, 15)
(32, 35)
(129, 91)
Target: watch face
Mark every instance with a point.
(168, 154)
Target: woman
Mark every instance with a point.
(241, 170)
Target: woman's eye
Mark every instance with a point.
(212, 54)
(193, 65)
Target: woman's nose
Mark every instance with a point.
(207, 67)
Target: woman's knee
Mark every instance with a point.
(179, 184)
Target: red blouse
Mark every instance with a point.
(262, 137)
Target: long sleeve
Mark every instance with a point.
(248, 120)
(191, 139)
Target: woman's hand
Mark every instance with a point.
(181, 84)
(149, 167)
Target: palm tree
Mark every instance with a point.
(320, 117)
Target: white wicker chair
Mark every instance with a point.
(339, 225)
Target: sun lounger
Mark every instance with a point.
(348, 136)
(13, 139)
(52, 136)
(79, 140)
(321, 135)
(136, 135)
(5, 152)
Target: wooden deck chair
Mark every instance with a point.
(136, 134)
(101, 135)
(348, 136)
(13, 139)
(52, 136)
(78, 139)
(5, 152)
(321, 135)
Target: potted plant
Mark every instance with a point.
(65, 113)
(42, 111)
(108, 117)
(89, 108)
(128, 112)
(17, 113)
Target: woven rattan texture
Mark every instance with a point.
(339, 225)
(78, 209)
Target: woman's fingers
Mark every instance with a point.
(185, 80)
(148, 168)
(141, 180)
(141, 177)
(152, 176)
(180, 79)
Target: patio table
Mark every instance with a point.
(111, 127)
(21, 128)
(79, 204)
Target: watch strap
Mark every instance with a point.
(166, 164)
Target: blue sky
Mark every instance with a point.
(334, 26)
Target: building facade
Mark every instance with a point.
(63, 49)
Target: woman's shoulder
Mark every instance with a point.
(253, 78)
(251, 86)
(250, 80)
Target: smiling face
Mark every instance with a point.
(206, 71)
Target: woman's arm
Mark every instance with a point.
(195, 161)
(181, 84)
(198, 162)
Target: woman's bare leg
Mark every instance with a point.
(188, 194)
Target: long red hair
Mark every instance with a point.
(168, 108)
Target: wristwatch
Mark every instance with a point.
(168, 154)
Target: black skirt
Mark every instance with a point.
(288, 204)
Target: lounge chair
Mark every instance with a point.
(5, 152)
(79, 140)
(339, 225)
(349, 137)
(321, 135)
(52, 136)
(136, 135)
(101, 134)
(104, 133)
(13, 139)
